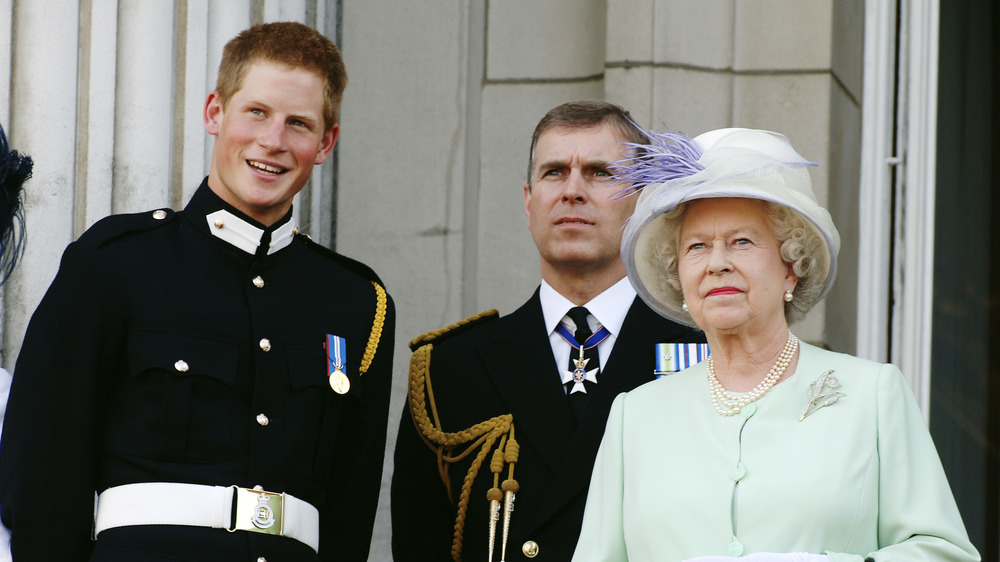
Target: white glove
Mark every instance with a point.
(765, 557)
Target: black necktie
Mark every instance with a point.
(578, 400)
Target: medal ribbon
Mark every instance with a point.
(593, 340)
(336, 352)
(674, 357)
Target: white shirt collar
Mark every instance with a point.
(609, 307)
(245, 236)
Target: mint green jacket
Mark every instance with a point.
(856, 478)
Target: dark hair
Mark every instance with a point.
(289, 43)
(583, 115)
(15, 169)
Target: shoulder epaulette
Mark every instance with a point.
(458, 327)
(113, 226)
(349, 263)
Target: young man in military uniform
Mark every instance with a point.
(515, 406)
(220, 381)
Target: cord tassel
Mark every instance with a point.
(510, 488)
(494, 495)
(507, 511)
(494, 517)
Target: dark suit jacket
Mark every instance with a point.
(503, 366)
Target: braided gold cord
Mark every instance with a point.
(376, 335)
(470, 477)
(482, 436)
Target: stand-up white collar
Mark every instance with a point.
(245, 236)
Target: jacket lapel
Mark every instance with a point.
(520, 363)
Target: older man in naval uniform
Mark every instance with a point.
(515, 406)
(219, 381)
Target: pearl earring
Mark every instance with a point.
(684, 306)
(789, 296)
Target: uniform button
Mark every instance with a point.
(261, 559)
(295, 230)
(258, 488)
(739, 472)
(159, 215)
(219, 224)
(258, 282)
(181, 366)
(262, 419)
(530, 549)
(265, 344)
(736, 548)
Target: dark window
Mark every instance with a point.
(965, 379)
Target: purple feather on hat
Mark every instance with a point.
(668, 156)
(15, 169)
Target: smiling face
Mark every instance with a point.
(268, 138)
(730, 267)
(575, 223)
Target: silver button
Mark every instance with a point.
(159, 214)
(219, 223)
(258, 488)
(262, 419)
(261, 559)
(265, 344)
(258, 282)
(181, 366)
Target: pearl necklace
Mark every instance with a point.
(730, 403)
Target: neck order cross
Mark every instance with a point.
(585, 365)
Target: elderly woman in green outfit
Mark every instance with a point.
(770, 449)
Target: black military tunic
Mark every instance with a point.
(497, 366)
(164, 353)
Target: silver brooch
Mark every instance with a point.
(822, 393)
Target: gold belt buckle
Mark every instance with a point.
(259, 511)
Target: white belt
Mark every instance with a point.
(196, 505)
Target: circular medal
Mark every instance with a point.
(579, 375)
(339, 382)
